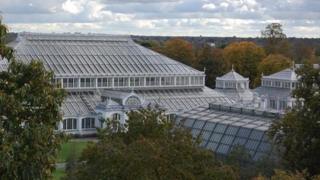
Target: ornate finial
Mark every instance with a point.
(232, 68)
(204, 69)
(262, 74)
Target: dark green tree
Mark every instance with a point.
(5, 52)
(148, 147)
(29, 112)
(277, 42)
(247, 168)
(211, 59)
(298, 133)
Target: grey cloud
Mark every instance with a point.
(243, 17)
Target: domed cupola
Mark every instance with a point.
(232, 80)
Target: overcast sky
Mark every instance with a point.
(244, 18)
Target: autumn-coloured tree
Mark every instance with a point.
(245, 56)
(272, 64)
(180, 50)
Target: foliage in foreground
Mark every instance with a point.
(29, 111)
(246, 167)
(297, 134)
(148, 147)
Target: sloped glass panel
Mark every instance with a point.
(220, 128)
(244, 132)
(256, 135)
(226, 139)
(198, 124)
(209, 126)
(232, 130)
(223, 149)
(216, 137)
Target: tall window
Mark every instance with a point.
(104, 82)
(273, 104)
(197, 80)
(70, 82)
(286, 84)
(276, 84)
(167, 81)
(88, 123)
(70, 123)
(121, 82)
(87, 82)
(283, 105)
(182, 80)
(116, 117)
(136, 81)
(152, 81)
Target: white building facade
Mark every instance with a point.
(107, 76)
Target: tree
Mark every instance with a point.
(245, 56)
(148, 147)
(5, 52)
(29, 112)
(180, 50)
(212, 60)
(272, 64)
(297, 134)
(276, 40)
(247, 168)
(283, 175)
(304, 52)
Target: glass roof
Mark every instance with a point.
(90, 55)
(221, 131)
(178, 100)
(79, 104)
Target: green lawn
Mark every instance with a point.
(70, 147)
(58, 174)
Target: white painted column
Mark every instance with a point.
(79, 124)
(60, 127)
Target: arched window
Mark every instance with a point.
(133, 101)
(70, 123)
(88, 123)
(116, 117)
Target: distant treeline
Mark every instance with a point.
(221, 42)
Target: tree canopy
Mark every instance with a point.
(271, 64)
(277, 42)
(148, 147)
(179, 49)
(5, 52)
(29, 112)
(297, 134)
(212, 60)
(245, 56)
